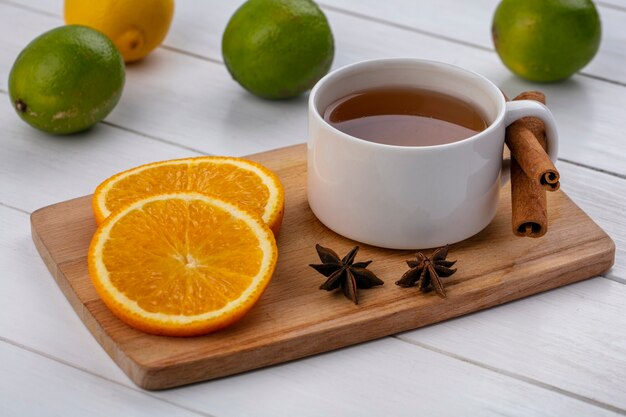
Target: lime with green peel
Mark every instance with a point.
(278, 49)
(546, 40)
(67, 80)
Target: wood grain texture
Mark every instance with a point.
(569, 341)
(294, 319)
(34, 311)
(569, 345)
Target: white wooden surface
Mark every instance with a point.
(559, 353)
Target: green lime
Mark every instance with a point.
(546, 40)
(67, 80)
(278, 49)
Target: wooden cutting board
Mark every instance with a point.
(293, 318)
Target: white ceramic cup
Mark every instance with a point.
(405, 197)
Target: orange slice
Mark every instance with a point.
(235, 179)
(181, 264)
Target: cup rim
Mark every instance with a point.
(382, 61)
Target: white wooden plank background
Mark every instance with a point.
(50, 388)
(591, 136)
(559, 353)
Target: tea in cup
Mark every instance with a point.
(407, 153)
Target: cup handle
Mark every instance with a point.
(515, 110)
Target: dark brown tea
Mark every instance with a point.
(405, 116)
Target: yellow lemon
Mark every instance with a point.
(135, 27)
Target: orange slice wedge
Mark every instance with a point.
(181, 264)
(234, 179)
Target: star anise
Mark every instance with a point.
(426, 272)
(344, 273)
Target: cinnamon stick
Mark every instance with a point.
(528, 195)
(526, 140)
